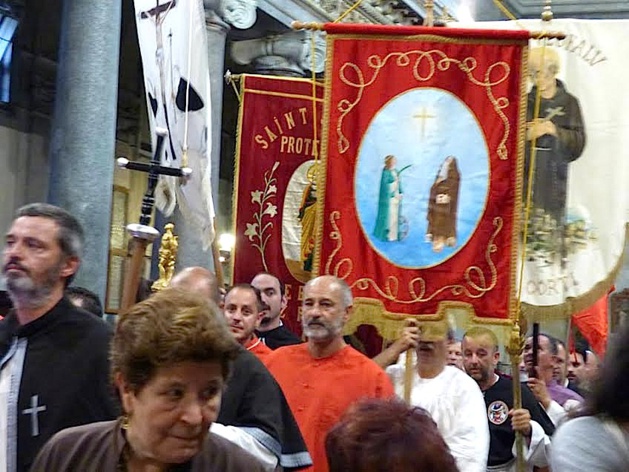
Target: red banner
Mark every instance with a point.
(423, 160)
(275, 192)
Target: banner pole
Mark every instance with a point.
(216, 258)
(514, 349)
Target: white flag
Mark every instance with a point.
(177, 83)
(572, 261)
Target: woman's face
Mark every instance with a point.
(170, 416)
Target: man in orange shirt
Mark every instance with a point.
(323, 377)
(244, 310)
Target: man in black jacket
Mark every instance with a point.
(54, 358)
(480, 359)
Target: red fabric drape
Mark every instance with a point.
(593, 324)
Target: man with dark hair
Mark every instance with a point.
(243, 311)
(54, 360)
(576, 365)
(254, 413)
(556, 399)
(86, 299)
(480, 359)
(272, 331)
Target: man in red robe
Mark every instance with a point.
(323, 377)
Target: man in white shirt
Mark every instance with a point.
(453, 399)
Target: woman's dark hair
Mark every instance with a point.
(377, 435)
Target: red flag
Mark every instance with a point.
(592, 323)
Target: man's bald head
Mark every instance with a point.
(198, 280)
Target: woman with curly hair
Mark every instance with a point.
(171, 356)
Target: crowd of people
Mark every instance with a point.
(199, 379)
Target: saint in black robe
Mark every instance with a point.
(554, 153)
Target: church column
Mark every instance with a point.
(219, 14)
(83, 130)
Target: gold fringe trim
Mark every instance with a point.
(574, 305)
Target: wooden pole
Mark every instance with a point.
(133, 272)
(408, 376)
(409, 366)
(216, 258)
(142, 233)
(515, 348)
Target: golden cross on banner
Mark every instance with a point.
(424, 115)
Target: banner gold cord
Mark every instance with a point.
(313, 77)
(529, 189)
(348, 11)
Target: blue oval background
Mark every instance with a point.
(448, 128)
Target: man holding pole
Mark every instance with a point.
(451, 397)
(480, 358)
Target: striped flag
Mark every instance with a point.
(173, 45)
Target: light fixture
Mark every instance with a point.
(226, 242)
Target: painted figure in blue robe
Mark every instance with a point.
(389, 203)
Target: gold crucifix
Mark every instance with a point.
(424, 115)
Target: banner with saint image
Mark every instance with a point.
(423, 165)
(577, 220)
(276, 191)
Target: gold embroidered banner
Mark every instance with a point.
(275, 191)
(420, 200)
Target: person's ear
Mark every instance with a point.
(348, 313)
(259, 318)
(70, 266)
(125, 392)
